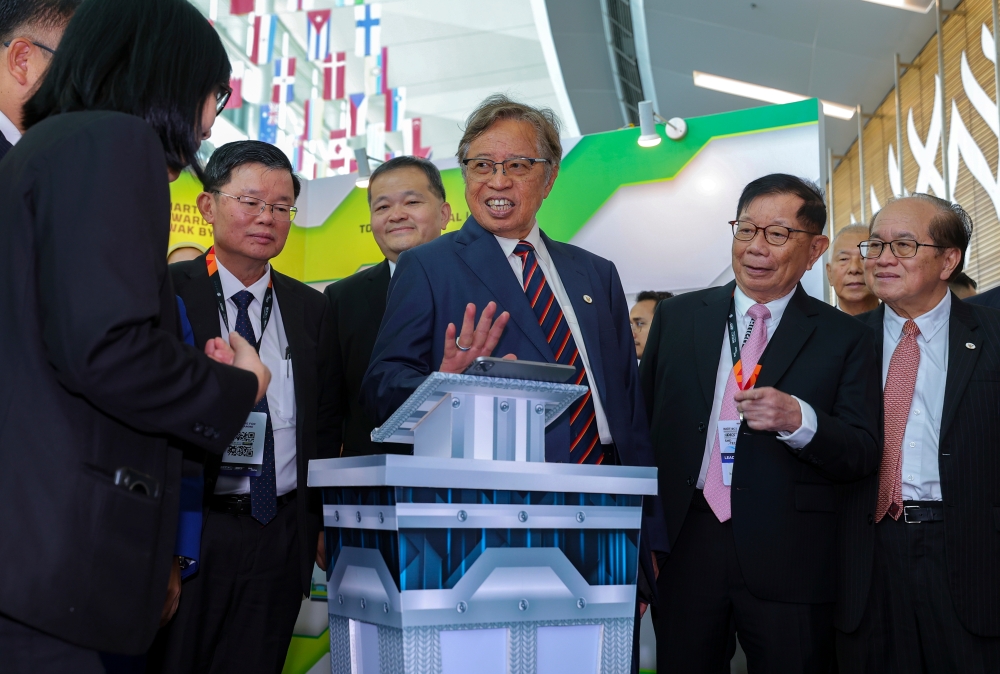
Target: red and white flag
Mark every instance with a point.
(334, 76)
(339, 153)
(236, 84)
(260, 38)
(240, 6)
(411, 139)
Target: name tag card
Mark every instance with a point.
(245, 454)
(728, 430)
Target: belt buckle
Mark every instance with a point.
(906, 515)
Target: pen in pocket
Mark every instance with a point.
(288, 361)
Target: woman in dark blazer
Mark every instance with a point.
(97, 384)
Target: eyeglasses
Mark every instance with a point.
(776, 235)
(222, 97)
(872, 249)
(254, 206)
(480, 169)
(37, 44)
(637, 326)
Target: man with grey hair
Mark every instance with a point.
(846, 272)
(559, 303)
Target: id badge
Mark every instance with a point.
(245, 454)
(728, 430)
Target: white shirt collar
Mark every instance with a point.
(534, 238)
(392, 267)
(232, 285)
(776, 307)
(929, 323)
(8, 129)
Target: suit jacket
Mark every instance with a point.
(5, 146)
(306, 318)
(990, 298)
(969, 463)
(784, 501)
(96, 382)
(357, 304)
(431, 287)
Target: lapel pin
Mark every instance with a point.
(970, 345)
(588, 299)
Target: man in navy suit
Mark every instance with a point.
(558, 303)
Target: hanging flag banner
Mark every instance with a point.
(299, 5)
(236, 84)
(237, 7)
(334, 76)
(367, 30)
(339, 153)
(411, 138)
(318, 35)
(268, 132)
(283, 84)
(260, 38)
(382, 72)
(313, 118)
(359, 114)
(395, 108)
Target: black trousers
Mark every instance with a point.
(704, 603)
(910, 625)
(237, 613)
(25, 650)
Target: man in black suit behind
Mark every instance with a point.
(752, 543)
(933, 600)
(260, 532)
(408, 208)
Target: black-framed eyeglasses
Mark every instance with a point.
(481, 169)
(254, 206)
(872, 249)
(222, 97)
(776, 235)
(37, 44)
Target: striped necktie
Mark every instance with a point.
(584, 439)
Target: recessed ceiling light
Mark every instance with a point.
(766, 94)
(921, 6)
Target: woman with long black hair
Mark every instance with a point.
(96, 383)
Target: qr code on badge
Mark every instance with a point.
(242, 445)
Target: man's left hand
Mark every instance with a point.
(768, 409)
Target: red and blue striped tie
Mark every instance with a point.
(584, 439)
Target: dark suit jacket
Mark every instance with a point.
(784, 501)
(435, 281)
(95, 382)
(306, 318)
(990, 298)
(969, 463)
(5, 146)
(357, 304)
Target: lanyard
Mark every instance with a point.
(265, 310)
(734, 346)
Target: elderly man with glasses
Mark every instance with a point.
(763, 405)
(930, 545)
(551, 301)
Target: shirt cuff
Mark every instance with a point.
(803, 435)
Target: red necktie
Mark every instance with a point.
(899, 385)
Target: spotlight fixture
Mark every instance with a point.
(766, 94)
(649, 137)
(364, 170)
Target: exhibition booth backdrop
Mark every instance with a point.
(659, 213)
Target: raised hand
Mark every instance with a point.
(247, 358)
(480, 342)
(217, 349)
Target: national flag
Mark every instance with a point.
(283, 84)
(339, 153)
(298, 150)
(312, 118)
(367, 29)
(260, 38)
(382, 83)
(334, 76)
(359, 114)
(318, 34)
(411, 139)
(395, 108)
(299, 5)
(375, 73)
(236, 84)
(240, 6)
(268, 124)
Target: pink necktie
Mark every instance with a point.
(899, 384)
(717, 493)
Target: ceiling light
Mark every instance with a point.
(649, 137)
(766, 94)
(921, 6)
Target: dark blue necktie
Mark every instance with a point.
(584, 437)
(263, 490)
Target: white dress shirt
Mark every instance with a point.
(921, 473)
(392, 267)
(281, 390)
(8, 130)
(804, 434)
(552, 276)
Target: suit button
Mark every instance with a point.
(701, 427)
(215, 435)
(689, 481)
(198, 428)
(208, 431)
(871, 519)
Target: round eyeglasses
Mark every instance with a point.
(253, 206)
(776, 235)
(480, 169)
(901, 248)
